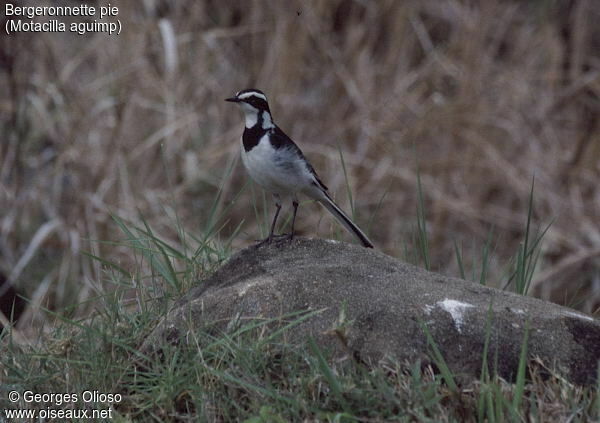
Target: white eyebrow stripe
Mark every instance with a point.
(252, 94)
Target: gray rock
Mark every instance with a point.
(385, 303)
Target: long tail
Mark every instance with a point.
(345, 220)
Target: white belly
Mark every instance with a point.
(266, 167)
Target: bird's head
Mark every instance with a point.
(255, 107)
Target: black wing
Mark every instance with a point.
(280, 140)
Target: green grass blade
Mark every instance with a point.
(485, 258)
(269, 393)
(165, 267)
(521, 372)
(110, 264)
(439, 359)
(334, 383)
(422, 241)
(459, 260)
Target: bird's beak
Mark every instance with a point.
(233, 99)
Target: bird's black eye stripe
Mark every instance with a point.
(261, 103)
(257, 102)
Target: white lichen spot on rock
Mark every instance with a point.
(456, 310)
(427, 309)
(244, 287)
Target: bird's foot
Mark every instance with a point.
(275, 238)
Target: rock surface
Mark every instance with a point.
(385, 303)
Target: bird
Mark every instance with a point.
(276, 163)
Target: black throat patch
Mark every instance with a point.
(252, 136)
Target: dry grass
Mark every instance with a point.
(482, 97)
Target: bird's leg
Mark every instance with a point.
(272, 233)
(268, 239)
(295, 204)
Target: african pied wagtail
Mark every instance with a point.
(276, 163)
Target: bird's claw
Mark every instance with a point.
(276, 238)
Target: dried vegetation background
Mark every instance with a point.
(481, 96)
